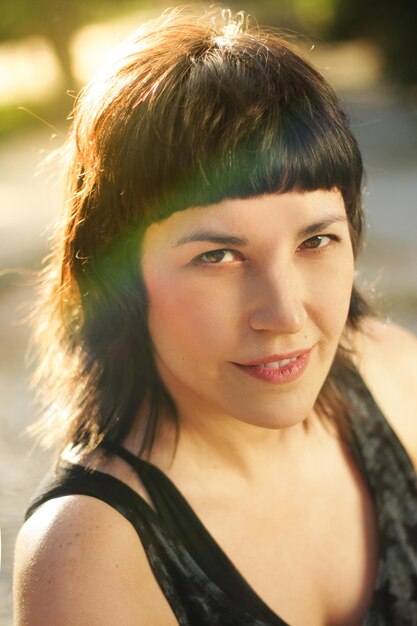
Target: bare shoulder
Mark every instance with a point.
(389, 348)
(383, 335)
(78, 561)
(386, 356)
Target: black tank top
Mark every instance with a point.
(202, 585)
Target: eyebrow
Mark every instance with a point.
(232, 240)
(213, 237)
(316, 227)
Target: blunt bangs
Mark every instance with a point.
(246, 137)
(235, 120)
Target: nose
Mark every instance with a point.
(277, 302)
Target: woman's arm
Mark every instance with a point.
(78, 562)
(387, 360)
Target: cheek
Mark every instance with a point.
(181, 314)
(333, 293)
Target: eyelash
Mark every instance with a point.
(199, 260)
(330, 236)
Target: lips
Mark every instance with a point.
(277, 364)
(278, 369)
(275, 360)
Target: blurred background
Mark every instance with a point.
(50, 48)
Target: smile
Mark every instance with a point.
(277, 364)
(278, 371)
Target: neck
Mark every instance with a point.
(248, 453)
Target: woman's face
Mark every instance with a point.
(247, 303)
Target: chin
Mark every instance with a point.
(272, 418)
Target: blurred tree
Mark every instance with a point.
(392, 25)
(57, 20)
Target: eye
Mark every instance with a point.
(217, 257)
(319, 241)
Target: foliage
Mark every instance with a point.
(35, 115)
(56, 20)
(391, 25)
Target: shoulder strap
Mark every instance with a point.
(186, 526)
(73, 479)
(375, 442)
(392, 480)
(195, 596)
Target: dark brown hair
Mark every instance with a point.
(193, 109)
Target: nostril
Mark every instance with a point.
(282, 317)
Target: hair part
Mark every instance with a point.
(190, 112)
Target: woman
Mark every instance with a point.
(229, 409)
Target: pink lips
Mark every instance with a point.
(269, 370)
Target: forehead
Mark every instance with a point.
(267, 214)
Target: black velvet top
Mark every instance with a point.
(199, 581)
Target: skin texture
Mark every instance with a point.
(79, 562)
(243, 452)
(281, 291)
